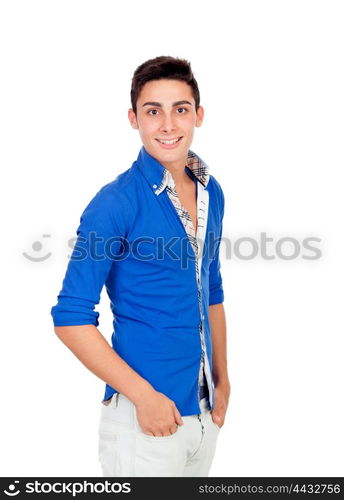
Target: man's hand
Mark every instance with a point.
(158, 415)
(221, 399)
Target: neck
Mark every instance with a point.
(179, 175)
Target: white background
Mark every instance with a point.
(271, 80)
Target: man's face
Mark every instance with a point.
(166, 111)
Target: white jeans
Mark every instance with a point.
(124, 450)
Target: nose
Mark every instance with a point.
(167, 124)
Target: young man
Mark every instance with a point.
(152, 237)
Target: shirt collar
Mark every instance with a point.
(159, 177)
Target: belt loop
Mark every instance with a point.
(116, 400)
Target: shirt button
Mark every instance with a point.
(203, 316)
(155, 186)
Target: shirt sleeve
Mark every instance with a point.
(99, 243)
(216, 293)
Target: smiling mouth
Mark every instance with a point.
(170, 141)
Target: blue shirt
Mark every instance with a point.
(132, 240)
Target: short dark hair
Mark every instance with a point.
(163, 67)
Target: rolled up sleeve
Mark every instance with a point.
(98, 245)
(216, 293)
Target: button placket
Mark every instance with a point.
(185, 220)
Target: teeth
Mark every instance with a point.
(173, 141)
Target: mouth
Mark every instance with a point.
(169, 143)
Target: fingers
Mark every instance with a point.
(161, 421)
(178, 417)
(172, 429)
(217, 418)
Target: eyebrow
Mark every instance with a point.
(159, 105)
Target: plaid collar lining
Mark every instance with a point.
(196, 166)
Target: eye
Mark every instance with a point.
(185, 109)
(152, 110)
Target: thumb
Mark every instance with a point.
(178, 417)
(216, 417)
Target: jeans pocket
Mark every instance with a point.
(119, 413)
(160, 438)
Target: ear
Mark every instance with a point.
(199, 116)
(132, 118)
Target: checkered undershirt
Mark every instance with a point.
(200, 171)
